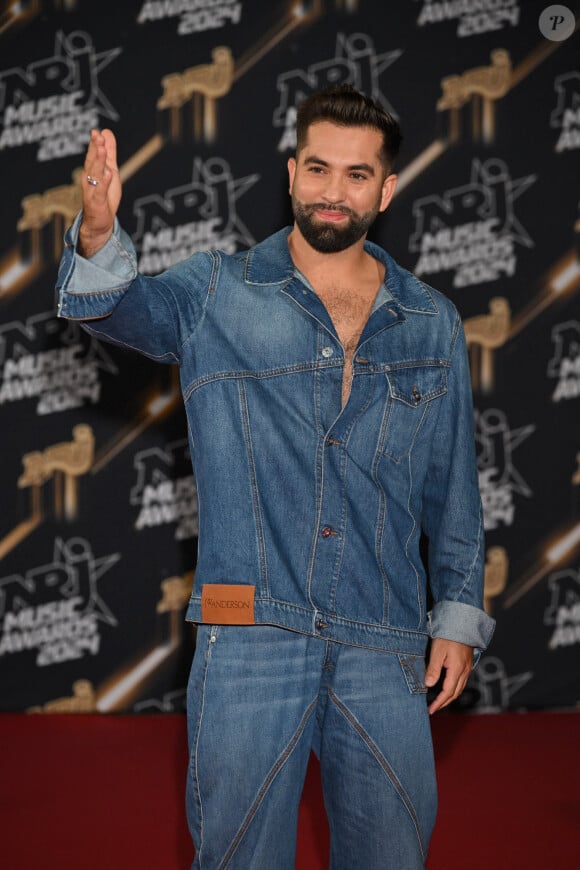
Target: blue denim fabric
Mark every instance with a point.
(259, 699)
(317, 506)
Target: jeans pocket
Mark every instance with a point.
(413, 668)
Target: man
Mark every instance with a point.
(330, 417)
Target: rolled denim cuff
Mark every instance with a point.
(464, 623)
(88, 289)
(113, 264)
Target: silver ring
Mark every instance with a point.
(92, 181)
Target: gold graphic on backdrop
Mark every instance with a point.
(496, 574)
(202, 85)
(481, 86)
(22, 530)
(16, 272)
(562, 278)
(432, 152)
(300, 13)
(18, 13)
(155, 408)
(576, 475)
(413, 169)
(541, 53)
(123, 687)
(65, 462)
(83, 700)
(484, 334)
(141, 157)
(58, 204)
(176, 592)
(557, 552)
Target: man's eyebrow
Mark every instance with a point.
(355, 167)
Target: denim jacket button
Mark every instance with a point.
(327, 351)
(327, 531)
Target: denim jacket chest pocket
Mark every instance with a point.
(413, 395)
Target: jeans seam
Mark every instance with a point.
(382, 761)
(196, 745)
(258, 519)
(271, 776)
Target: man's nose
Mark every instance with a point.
(334, 190)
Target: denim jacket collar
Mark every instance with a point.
(270, 263)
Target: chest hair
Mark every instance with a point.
(349, 310)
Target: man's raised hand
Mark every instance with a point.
(101, 191)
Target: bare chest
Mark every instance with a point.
(349, 310)
(349, 313)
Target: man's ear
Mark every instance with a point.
(388, 191)
(291, 171)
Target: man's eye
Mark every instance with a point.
(358, 176)
(316, 169)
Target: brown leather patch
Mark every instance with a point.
(227, 604)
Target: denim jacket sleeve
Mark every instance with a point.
(453, 517)
(153, 315)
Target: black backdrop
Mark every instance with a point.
(98, 521)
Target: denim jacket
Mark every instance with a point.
(318, 507)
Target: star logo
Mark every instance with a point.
(73, 573)
(496, 444)
(74, 67)
(564, 604)
(489, 196)
(156, 465)
(209, 199)
(44, 333)
(355, 62)
(490, 688)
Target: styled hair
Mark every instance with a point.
(345, 106)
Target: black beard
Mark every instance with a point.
(327, 238)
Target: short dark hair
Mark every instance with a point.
(345, 106)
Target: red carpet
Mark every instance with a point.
(106, 793)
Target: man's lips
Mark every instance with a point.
(330, 215)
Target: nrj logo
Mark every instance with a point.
(355, 62)
(55, 609)
(473, 16)
(195, 16)
(471, 230)
(50, 360)
(499, 479)
(565, 363)
(563, 613)
(491, 688)
(165, 491)
(193, 217)
(171, 702)
(54, 102)
(566, 115)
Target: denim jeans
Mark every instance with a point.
(259, 699)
